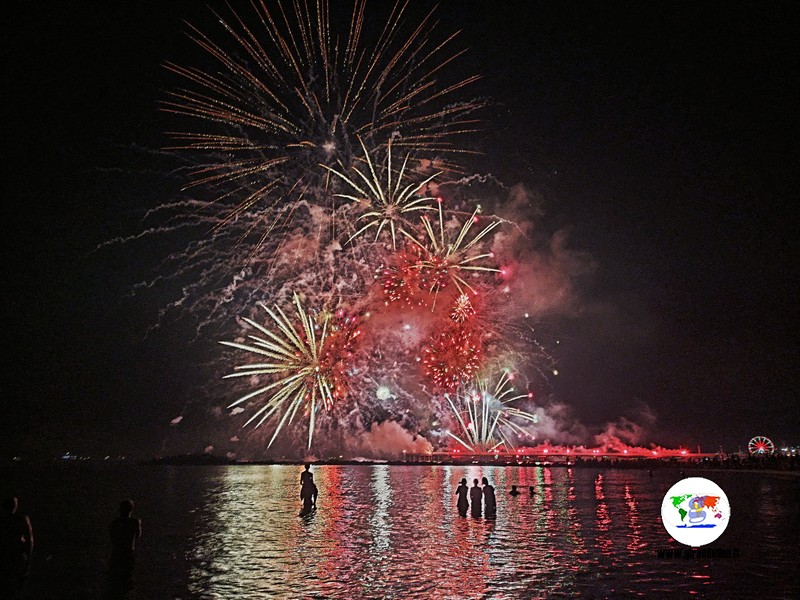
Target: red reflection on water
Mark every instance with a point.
(548, 481)
(575, 527)
(331, 482)
(404, 507)
(468, 552)
(571, 490)
(336, 527)
(700, 579)
(464, 562)
(603, 520)
(635, 537)
(395, 531)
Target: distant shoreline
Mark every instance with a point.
(777, 465)
(626, 463)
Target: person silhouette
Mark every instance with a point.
(475, 497)
(489, 500)
(462, 491)
(124, 531)
(306, 475)
(514, 491)
(531, 490)
(16, 548)
(308, 492)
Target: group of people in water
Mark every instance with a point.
(16, 550)
(477, 500)
(480, 501)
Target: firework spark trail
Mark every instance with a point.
(390, 204)
(309, 364)
(272, 112)
(417, 274)
(449, 257)
(462, 309)
(257, 150)
(486, 417)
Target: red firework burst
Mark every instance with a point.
(452, 357)
(416, 279)
(337, 355)
(401, 282)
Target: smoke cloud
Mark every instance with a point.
(557, 425)
(542, 269)
(388, 440)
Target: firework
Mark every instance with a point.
(447, 259)
(277, 99)
(404, 281)
(388, 204)
(307, 364)
(462, 309)
(422, 271)
(452, 357)
(485, 416)
(326, 149)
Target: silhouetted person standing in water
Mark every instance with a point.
(489, 501)
(308, 490)
(16, 550)
(514, 491)
(475, 496)
(125, 530)
(306, 475)
(462, 491)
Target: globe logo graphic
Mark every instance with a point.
(695, 511)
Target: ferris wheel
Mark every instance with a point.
(760, 445)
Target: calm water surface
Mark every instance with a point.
(393, 532)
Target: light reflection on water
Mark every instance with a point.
(393, 532)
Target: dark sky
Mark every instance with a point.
(659, 137)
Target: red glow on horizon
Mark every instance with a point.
(606, 451)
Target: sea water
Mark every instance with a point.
(384, 531)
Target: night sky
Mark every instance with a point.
(658, 138)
